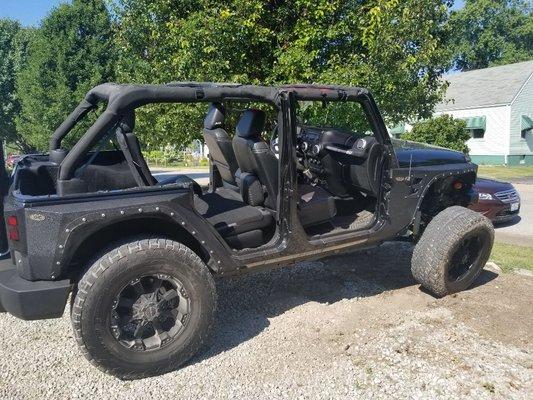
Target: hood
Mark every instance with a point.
(421, 154)
(484, 185)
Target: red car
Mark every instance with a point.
(498, 201)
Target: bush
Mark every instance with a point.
(169, 157)
(443, 131)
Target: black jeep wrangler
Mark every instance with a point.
(296, 173)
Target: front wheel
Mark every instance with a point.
(144, 308)
(452, 251)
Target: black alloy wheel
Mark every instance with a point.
(150, 312)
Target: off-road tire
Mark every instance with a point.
(433, 255)
(105, 278)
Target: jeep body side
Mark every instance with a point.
(65, 208)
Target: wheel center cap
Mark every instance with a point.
(150, 312)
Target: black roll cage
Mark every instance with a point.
(122, 100)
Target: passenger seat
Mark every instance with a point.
(219, 145)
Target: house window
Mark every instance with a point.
(526, 125)
(477, 133)
(476, 126)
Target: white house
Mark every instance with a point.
(497, 105)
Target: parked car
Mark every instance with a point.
(498, 201)
(139, 257)
(12, 160)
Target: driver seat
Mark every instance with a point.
(257, 175)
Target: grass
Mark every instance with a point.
(504, 172)
(510, 256)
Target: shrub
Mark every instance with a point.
(443, 131)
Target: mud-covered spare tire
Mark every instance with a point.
(452, 250)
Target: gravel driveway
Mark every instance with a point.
(350, 326)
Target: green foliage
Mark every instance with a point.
(13, 43)
(393, 47)
(169, 156)
(71, 52)
(348, 116)
(492, 32)
(443, 131)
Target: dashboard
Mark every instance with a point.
(342, 161)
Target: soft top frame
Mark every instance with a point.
(123, 99)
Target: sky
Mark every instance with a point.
(30, 12)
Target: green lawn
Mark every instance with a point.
(509, 256)
(503, 172)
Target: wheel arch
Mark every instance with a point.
(96, 240)
(441, 193)
(438, 193)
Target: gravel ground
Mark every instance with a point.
(350, 326)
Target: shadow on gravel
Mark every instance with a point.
(245, 304)
(483, 278)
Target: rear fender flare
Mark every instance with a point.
(80, 229)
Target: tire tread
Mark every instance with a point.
(98, 269)
(432, 253)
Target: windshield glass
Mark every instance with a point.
(346, 116)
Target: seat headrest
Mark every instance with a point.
(251, 123)
(215, 116)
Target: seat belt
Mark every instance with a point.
(129, 159)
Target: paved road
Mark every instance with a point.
(519, 231)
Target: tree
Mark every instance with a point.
(393, 47)
(443, 131)
(71, 52)
(492, 32)
(13, 43)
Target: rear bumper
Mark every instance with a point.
(31, 300)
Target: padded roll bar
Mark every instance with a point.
(123, 99)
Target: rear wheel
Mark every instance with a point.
(452, 251)
(144, 308)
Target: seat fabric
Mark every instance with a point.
(254, 155)
(225, 210)
(219, 144)
(255, 158)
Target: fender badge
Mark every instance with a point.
(37, 217)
